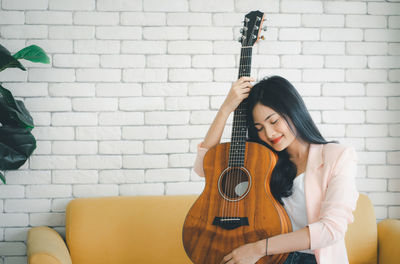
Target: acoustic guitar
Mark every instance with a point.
(236, 206)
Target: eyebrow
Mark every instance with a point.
(265, 119)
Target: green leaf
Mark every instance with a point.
(33, 53)
(13, 112)
(8, 61)
(3, 179)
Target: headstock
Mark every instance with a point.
(252, 28)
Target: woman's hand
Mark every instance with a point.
(238, 92)
(247, 254)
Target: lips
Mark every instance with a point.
(276, 140)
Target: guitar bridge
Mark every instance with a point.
(230, 223)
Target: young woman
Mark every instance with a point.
(313, 179)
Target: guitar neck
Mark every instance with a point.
(239, 128)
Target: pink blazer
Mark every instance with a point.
(331, 197)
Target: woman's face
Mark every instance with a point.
(272, 128)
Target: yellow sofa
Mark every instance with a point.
(146, 230)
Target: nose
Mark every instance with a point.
(270, 133)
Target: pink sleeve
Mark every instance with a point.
(198, 163)
(339, 203)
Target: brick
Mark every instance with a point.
(394, 22)
(94, 104)
(11, 191)
(328, 103)
(166, 146)
(168, 61)
(277, 47)
(394, 75)
(206, 33)
(212, 88)
(119, 5)
(48, 191)
(211, 6)
(75, 61)
(387, 35)
(98, 162)
(366, 75)
(96, 18)
(27, 89)
(394, 130)
(181, 160)
(53, 46)
(366, 103)
(244, 5)
(383, 116)
(47, 219)
(343, 89)
(53, 133)
(41, 118)
(302, 61)
(138, 103)
(332, 130)
(98, 133)
(394, 185)
(121, 176)
(145, 161)
(121, 147)
(143, 19)
(366, 130)
(383, 143)
(343, 117)
(186, 103)
(394, 103)
(367, 48)
(24, 31)
(12, 18)
(294, 75)
(118, 33)
(383, 89)
(16, 234)
(323, 75)
(121, 118)
(197, 131)
(25, 5)
(323, 47)
(122, 61)
(184, 188)
(142, 189)
(74, 119)
(213, 61)
(167, 118)
(345, 7)
(72, 5)
(51, 75)
(74, 147)
(165, 6)
(48, 17)
(97, 46)
(75, 177)
(165, 89)
(71, 32)
(384, 62)
(48, 104)
(190, 47)
(98, 75)
(144, 132)
(189, 19)
(393, 49)
(225, 47)
(365, 21)
(71, 89)
(394, 157)
(281, 20)
(299, 34)
(145, 75)
(385, 198)
(321, 21)
(97, 190)
(346, 34)
(383, 8)
(26, 205)
(371, 185)
(346, 61)
(394, 212)
(28, 177)
(165, 33)
(45, 162)
(167, 175)
(14, 45)
(192, 75)
(118, 89)
(370, 158)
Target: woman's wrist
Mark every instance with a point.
(261, 247)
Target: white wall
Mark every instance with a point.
(134, 84)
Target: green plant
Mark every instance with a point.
(16, 141)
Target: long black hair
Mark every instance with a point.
(280, 95)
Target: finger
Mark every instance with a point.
(246, 79)
(227, 258)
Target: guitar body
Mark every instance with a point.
(206, 242)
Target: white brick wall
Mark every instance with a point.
(133, 86)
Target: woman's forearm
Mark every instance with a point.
(283, 243)
(216, 129)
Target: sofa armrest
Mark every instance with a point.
(389, 241)
(46, 246)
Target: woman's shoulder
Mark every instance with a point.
(334, 151)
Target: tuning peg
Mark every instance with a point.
(262, 37)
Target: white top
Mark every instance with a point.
(295, 206)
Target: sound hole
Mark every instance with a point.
(234, 183)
